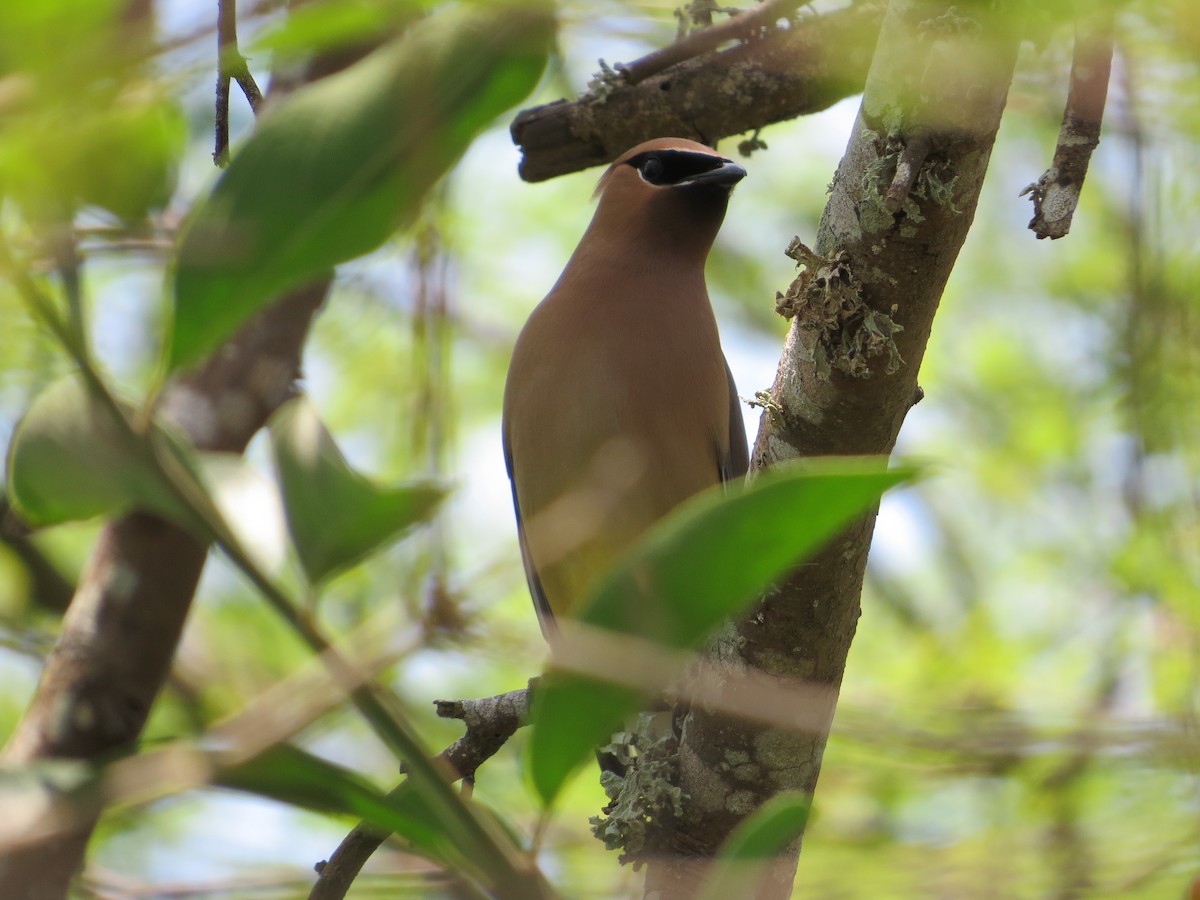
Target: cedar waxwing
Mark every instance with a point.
(619, 404)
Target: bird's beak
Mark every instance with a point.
(726, 175)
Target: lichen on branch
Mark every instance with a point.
(641, 780)
(826, 299)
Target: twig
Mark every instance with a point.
(1056, 193)
(221, 150)
(490, 722)
(230, 65)
(912, 157)
(65, 252)
(48, 587)
(739, 27)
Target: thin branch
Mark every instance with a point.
(241, 74)
(221, 148)
(789, 72)
(48, 587)
(230, 65)
(65, 251)
(1056, 194)
(736, 28)
(490, 722)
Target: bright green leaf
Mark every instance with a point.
(700, 565)
(70, 459)
(332, 170)
(335, 516)
(757, 840)
(577, 706)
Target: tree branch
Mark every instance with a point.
(789, 72)
(490, 722)
(740, 27)
(843, 386)
(1056, 194)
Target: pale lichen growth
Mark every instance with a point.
(641, 795)
(780, 748)
(764, 401)
(747, 772)
(934, 182)
(951, 23)
(873, 214)
(602, 85)
(826, 299)
(741, 803)
(736, 757)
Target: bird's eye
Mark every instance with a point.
(652, 169)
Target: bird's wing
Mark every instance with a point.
(540, 603)
(736, 461)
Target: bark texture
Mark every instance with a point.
(802, 69)
(900, 207)
(1056, 193)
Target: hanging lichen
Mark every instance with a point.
(641, 783)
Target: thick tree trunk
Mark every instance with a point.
(901, 204)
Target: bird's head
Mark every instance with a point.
(669, 185)
(671, 166)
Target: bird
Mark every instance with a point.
(619, 404)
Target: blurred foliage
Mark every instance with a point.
(1019, 712)
(351, 157)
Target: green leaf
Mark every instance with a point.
(757, 840)
(335, 516)
(706, 561)
(70, 459)
(291, 775)
(334, 169)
